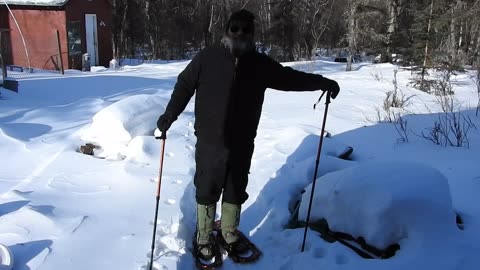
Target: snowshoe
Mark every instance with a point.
(207, 262)
(242, 250)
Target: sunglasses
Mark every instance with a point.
(245, 29)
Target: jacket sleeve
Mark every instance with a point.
(187, 83)
(288, 79)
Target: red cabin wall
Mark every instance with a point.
(39, 31)
(39, 24)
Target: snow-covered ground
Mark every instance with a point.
(60, 209)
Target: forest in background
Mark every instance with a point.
(422, 33)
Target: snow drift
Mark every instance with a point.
(384, 202)
(116, 125)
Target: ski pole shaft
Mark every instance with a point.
(317, 162)
(162, 152)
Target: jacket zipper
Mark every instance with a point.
(231, 101)
(234, 72)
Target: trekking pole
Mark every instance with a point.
(163, 137)
(316, 165)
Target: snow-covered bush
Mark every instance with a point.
(383, 202)
(376, 73)
(392, 110)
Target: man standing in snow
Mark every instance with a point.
(230, 83)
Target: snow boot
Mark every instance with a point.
(230, 220)
(205, 244)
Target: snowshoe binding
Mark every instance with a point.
(241, 251)
(207, 256)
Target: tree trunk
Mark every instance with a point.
(319, 27)
(228, 7)
(123, 39)
(351, 34)
(392, 27)
(425, 56)
(151, 28)
(452, 44)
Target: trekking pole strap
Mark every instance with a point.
(320, 98)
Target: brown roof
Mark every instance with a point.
(45, 3)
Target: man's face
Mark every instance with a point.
(239, 29)
(241, 35)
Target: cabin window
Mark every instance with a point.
(74, 40)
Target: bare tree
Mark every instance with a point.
(477, 83)
(394, 8)
(311, 19)
(426, 50)
(352, 32)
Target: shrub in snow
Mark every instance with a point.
(376, 73)
(383, 202)
(452, 127)
(116, 125)
(393, 109)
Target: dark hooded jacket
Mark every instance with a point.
(228, 103)
(230, 93)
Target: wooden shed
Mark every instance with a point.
(84, 26)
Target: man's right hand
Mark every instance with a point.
(158, 134)
(164, 122)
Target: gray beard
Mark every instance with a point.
(238, 46)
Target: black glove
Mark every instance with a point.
(332, 87)
(164, 122)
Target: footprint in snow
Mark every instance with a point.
(341, 259)
(170, 201)
(320, 253)
(128, 236)
(155, 266)
(177, 181)
(169, 246)
(155, 179)
(170, 154)
(62, 183)
(165, 228)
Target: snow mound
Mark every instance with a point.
(143, 149)
(384, 202)
(116, 125)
